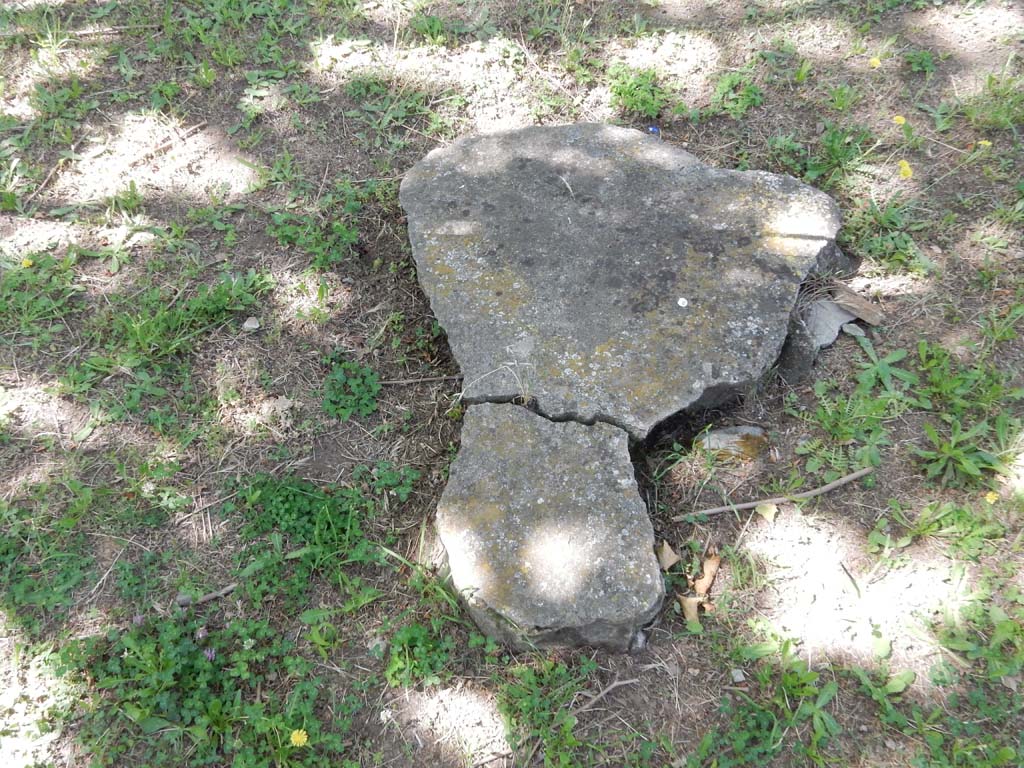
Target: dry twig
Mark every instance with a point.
(782, 499)
(397, 382)
(185, 600)
(602, 693)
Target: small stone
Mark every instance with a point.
(824, 318)
(852, 329)
(738, 676)
(741, 443)
(251, 324)
(377, 645)
(548, 540)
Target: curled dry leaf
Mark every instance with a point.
(690, 606)
(703, 584)
(667, 556)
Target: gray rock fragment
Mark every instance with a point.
(606, 276)
(547, 537)
(824, 318)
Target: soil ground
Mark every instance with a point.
(200, 237)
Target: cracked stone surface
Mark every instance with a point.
(610, 281)
(607, 276)
(547, 537)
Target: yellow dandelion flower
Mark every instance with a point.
(899, 119)
(985, 143)
(26, 263)
(299, 738)
(875, 62)
(906, 171)
(991, 497)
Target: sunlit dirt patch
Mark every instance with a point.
(302, 300)
(32, 414)
(163, 157)
(689, 61)
(843, 605)
(28, 692)
(462, 719)
(493, 76)
(20, 237)
(977, 38)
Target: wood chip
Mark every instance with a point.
(853, 302)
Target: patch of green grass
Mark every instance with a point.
(840, 152)
(159, 330)
(788, 153)
(637, 92)
(294, 529)
(234, 32)
(955, 455)
(962, 390)
(389, 113)
(975, 725)
(789, 699)
(35, 294)
(1000, 105)
(61, 109)
(140, 583)
(854, 428)
(921, 61)
(189, 690)
(44, 554)
(943, 114)
(885, 235)
(535, 702)
(843, 97)
(967, 531)
(418, 654)
(735, 94)
(433, 29)
(327, 244)
(217, 216)
(350, 388)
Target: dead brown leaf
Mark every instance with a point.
(667, 556)
(690, 606)
(703, 584)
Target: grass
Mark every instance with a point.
(168, 170)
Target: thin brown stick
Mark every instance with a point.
(781, 499)
(602, 693)
(400, 382)
(184, 600)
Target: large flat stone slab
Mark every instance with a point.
(547, 537)
(605, 275)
